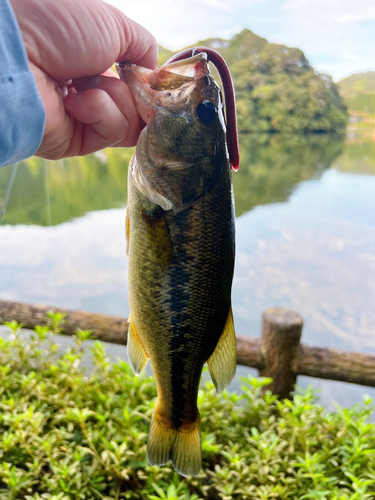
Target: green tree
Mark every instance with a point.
(277, 90)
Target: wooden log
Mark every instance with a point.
(249, 352)
(105, 327)
(255, 352)
(335, 364)
(282, 329)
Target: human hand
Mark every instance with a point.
(68, 40)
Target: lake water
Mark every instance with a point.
(305, 211)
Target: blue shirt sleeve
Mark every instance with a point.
(22, 114)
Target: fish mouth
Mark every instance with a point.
(144, 83)
(136, 79)
(170, 76)
(174, 75)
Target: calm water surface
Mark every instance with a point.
(305, 211)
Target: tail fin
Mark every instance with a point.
(182, 446)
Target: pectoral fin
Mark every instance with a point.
(223, 361)
(137, 355)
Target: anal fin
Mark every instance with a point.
(137, 355)
(223, 361)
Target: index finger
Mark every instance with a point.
(77, 39)
(138, 46)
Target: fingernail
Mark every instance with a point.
(88, 82)
(73, 100)
(62, 90)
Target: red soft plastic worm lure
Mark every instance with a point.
(230, 102)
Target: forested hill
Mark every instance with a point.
(277, 90)
(358, 90)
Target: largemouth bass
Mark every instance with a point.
(180, 238)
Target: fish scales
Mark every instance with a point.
(180, 231)
(190, 289)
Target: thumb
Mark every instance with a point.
(104, 115)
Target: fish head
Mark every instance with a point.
(182, 149)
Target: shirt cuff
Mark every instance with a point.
(22, 114)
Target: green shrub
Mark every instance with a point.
(67, 434)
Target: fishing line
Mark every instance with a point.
(8, 191)
(46, 183)
(52, 274)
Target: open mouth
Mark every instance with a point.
(144, 83)
(168, 77)
(183, 68)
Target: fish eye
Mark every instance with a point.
(206, 111)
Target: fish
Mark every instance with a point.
(180, 235)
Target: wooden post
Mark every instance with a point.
(282, 329)
(249, 352)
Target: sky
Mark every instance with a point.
(337, 36)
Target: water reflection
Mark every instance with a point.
(316, 255)
(46, 192)
(305, 237)
(359, 154)
(272, 165)
(79, 264)
(49, 193)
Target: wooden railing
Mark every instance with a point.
(277, 353)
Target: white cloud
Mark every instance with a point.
(351, 18)
(176, 24)
(330, 32)
(216, 4)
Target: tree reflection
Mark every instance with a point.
(46, 192)
(272, 165)
(52, 192)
